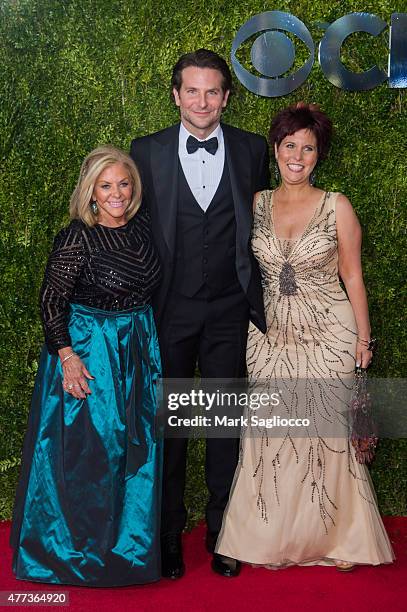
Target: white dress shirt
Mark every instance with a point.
(202, 170)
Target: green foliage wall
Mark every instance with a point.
(78, 73)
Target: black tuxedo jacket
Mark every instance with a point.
(246, 154)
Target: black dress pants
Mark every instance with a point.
(212, 333)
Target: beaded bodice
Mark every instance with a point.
(101, 267)
(303, 271)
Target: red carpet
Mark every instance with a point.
(318, 589)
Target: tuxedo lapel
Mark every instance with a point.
(164, 165)
(238, 159)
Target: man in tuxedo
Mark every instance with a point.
(199, 179)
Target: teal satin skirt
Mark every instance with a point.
(87, 508)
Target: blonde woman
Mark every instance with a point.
(87, 504)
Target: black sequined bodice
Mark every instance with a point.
(101, 267)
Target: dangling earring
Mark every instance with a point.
(277, 173)
(94, 207)
(312, 178)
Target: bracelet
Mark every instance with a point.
(369, 344)
(67, 357)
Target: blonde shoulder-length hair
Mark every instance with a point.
(95, 163)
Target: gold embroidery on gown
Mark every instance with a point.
(302, 500)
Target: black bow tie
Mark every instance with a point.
(210, 145)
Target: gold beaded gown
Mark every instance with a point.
(302, 500)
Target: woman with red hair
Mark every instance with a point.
(300, 496)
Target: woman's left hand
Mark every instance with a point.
(363, 356)
(75, 375)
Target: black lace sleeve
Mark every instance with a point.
(61, 274)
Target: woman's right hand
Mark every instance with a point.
(75, 376)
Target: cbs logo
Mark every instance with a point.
(273, 53)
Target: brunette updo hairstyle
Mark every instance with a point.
(302, 116)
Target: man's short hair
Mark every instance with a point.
(202, 58)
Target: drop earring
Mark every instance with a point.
(312, 178)
(94, 207)
(277, 173)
